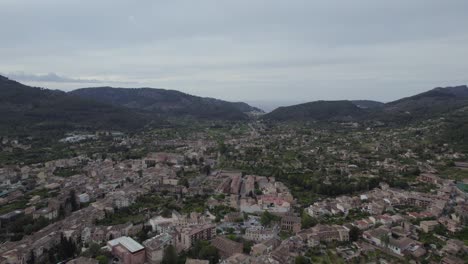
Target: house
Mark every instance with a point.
(237, 258)
(259, 234)
(236, 184)
(233, 217)
(327, 233)
(291, 223)
(127, 250)
(451, 260)
(83, 198)
(122, 201)
(316, 210)
(282, 254)
(363, 224)
(429, 178)
(266, 246)
(186, 236)
(258, 249)
(428, 226)
(376, 236)
(273, 204)
(398, 246)
(83, 260)
(226, 247)
(375, 207)
(47, 213)
(10, 217)
(196, 261)
(155, 247)
(162, 225)
(451, 225)
(453, 246)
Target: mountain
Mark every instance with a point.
(26, 108)
(168, 102)
(319, 111)
(368, 104)
(433, 103)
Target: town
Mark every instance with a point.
(238, 193)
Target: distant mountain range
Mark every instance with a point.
(168, 102)
(318, 111)
(425, 105)
(24, 108)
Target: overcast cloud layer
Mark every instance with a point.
(248, 50)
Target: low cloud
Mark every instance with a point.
(55, 78)
(50, 77)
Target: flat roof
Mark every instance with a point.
(128, 243)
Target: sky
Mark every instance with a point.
(244, 50)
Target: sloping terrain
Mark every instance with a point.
(26, 108)
(168, 102)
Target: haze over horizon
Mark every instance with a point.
(260, 51)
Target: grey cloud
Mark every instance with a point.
(50, 77)
(243, 49)
(55, 78)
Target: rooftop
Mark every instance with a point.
(127, 242)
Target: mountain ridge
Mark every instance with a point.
(168, 102)
(428, 104)
(33, 109)
(26, 108)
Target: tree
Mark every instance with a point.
(385, 239)
(267, 218)
(222, 148)
(209, 253)
(170, 255)
(301, 260)
(184, 182)
(206, 169)
(74, 203)
(32, 258)
(307, 221)
(143, 233)
(247, 246)
(354, 234)
(94, 250)
(102, 259)
(61, 212)
(203, 250)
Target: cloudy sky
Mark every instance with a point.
(252, 50)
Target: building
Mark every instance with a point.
(47, 213)
(327, 233)
(375, 236)
(265, 247)
(428, 226)
(291, 223)
(122, 201)
(82, 260)
(10, 217)
(83, 198)
(127, 250)
(451, 260)
(398, 246)
(429, 178)
(155, 247)
(233, 217)
(236, 184)
(196, 261)
(226, 247)
(187, 236)
(259, 234)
